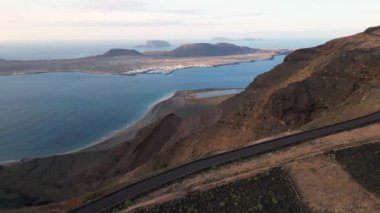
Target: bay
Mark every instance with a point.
(53, 113)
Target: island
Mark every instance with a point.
(121, 52)
(131, 62)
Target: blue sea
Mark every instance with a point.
(54, 113)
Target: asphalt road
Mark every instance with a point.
(166, 177)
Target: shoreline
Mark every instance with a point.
(143, 71)
(167, 71)
(127, 66)
(87, 148)
(131, 127)
(124, 128)
(149, 117)
(153, 114)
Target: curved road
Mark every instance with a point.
(166, 177)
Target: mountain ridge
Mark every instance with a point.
(121, 52)
(188, 50)
(307, 90)
(205, 49)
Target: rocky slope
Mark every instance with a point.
(373, 30)
(48, 180)
(52, 179)
(335, 81)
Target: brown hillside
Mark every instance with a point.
(316, 86)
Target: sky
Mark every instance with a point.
(183, 19)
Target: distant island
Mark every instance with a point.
(187, 50)
(155, 44)
(205, 49)
(225, 39)
(130, 62)
(121, 52)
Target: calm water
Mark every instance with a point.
(46, 114)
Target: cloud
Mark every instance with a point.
(235, 16)
(250, 14)
(184, 12)
(127, 23)
(134, 6)
(107, 23)
(105, 5)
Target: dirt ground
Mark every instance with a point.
(326, 187)
(250, 167)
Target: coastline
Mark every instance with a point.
(131, 128)
(156, 111)
(101, 141)
(126, 127)
(167, 105)
(127, 65)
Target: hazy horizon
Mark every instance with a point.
(61, 20)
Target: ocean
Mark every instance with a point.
(52, 113)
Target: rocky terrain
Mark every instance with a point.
(314, 87)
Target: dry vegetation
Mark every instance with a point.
(297, 155)
(325, 186)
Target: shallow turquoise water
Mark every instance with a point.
(53, 113)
